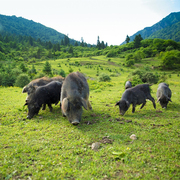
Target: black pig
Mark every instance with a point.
(47, 94)
(163, 95)
(39, 82)
(29, 88)
(74, 95)
(135, 95)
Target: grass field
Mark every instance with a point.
(49, 147)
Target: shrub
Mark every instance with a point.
(62, 73)
(144, 76)
(22, 80)
(7, 79)
(149, 77)
(138, 56)
(70, 70)
(16, 72)
(23, 67)
(170, 59)
(104, 77)
(111, 53)
(39, 75)
(135, 80)
(129, 60)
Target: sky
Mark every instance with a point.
(111, 20)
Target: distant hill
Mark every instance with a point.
(167, 28)
(24, 27)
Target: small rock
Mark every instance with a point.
(133, 137)
(95, 146)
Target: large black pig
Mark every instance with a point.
(47, 94)
(136, 95)
(74, 95)
(163, 95)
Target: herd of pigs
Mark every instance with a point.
(73, 94)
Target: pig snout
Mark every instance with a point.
(75, 122)
(122, 112)
(29, 117)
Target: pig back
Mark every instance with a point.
(75, 84)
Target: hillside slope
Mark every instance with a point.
(170, 25)
(24, 27)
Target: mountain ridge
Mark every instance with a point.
(167, 21)
(25, 27)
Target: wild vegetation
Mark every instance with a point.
(21, 55)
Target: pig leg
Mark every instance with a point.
(50, 107)
(133, 109)
(153, 101)
(143, 104)
(44, 107)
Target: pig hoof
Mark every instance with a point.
(76, 122)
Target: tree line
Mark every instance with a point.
(18, 51)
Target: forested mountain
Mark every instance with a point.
(171, 32)
(167, 28)
(20, 26)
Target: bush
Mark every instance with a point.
(7, 79)
(138, 56)
(62, 73)
(70, 70)
(170, 59)
(135, 80)
(104, 77)
(22, 80)
(144, 76)
(39, 75)
(16, 72)
(149, 77)
(129, 60)
(111, 53)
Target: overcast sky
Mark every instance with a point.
(111, 20)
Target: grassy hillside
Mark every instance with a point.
(49, 147)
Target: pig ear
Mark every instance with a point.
(64, 105)
(117, 103)
(84, 103)
(127, 103)
(24, 89)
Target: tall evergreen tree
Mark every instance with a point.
(98, 43)
(66, 40)
(127, 39)
(137, 41)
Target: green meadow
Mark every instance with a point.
(49, 147)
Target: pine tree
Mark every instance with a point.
(47, 68)
(137, 41)
(98, 43)
(127, 39)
